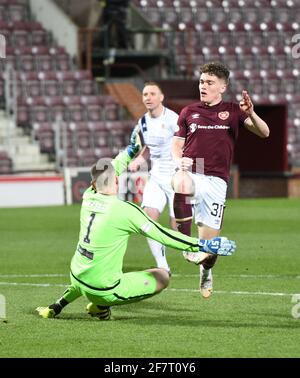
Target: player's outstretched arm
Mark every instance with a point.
(142, 223)
(253, 123)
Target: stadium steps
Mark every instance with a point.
(24, 152)
(127, 95)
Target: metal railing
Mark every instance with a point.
(158, 40)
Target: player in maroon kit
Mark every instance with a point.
(203, 146)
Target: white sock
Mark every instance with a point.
(159, 253)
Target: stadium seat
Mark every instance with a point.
(87, 157)
(32, 88)
(20, 38)
(46, 141)
(23, 119)
(68, 87)
(82, 138)
(86, 87)
(3, 15)
(101, 138)
(39, 113)
(52, 88)
(104, 152)
(75, 113)
(17, 12)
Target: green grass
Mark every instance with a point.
(241, 319)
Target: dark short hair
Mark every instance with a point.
(216, 68)
(153, 83)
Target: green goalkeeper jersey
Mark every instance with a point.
(106, 223)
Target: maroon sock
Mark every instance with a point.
(183, 213)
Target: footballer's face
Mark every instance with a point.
(152, 97)
(211, 88)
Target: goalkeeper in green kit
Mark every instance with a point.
(106, 224)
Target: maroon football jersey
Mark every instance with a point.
(210, 133)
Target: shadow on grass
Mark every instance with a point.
(174, 320)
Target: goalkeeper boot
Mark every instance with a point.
(100, 312)
(46, 312)
(52, 310)
(206, 282)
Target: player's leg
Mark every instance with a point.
(206, 279)
(73, 292)
(209, 217)
(162, 279)
(98, 311)
(133, 287)
(158, 250)
(154, 201)
(169, 193)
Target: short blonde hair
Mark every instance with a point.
(102, 174)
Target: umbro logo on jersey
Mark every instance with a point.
(223, 115)
(196, 115)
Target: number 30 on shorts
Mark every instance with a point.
(218, 210)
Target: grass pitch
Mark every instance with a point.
(249, 314)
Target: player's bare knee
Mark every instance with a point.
(183, 183)
(162, 278)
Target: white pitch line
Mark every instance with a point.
(169, 289)
(277, 276)
(238, 292)
(31, 275)
(31, 284)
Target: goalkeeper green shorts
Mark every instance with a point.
(133, 287)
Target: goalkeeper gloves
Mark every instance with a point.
(134, 146)
(217, 246)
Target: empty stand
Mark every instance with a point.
(250, 36)
(51, 91)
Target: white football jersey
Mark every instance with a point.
(158, 134)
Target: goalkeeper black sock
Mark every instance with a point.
(58, 306)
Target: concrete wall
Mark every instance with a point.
(23, 191)
(83, 13)
(54, 19)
